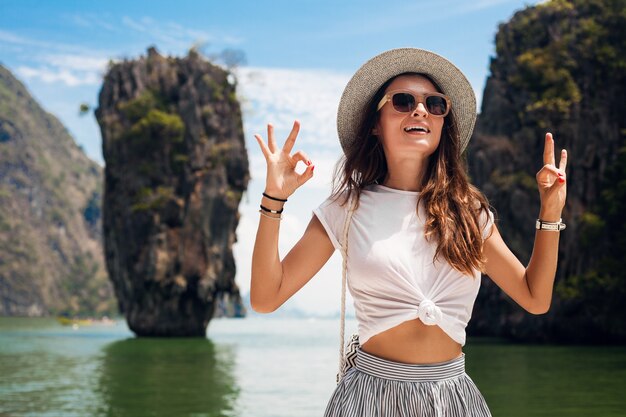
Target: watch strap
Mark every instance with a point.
(554, 226)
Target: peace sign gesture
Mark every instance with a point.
(282, 179)
(551, 181)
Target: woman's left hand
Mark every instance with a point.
(552, 181)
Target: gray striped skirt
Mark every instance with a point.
(378, 387)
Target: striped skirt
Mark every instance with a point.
(378, 387)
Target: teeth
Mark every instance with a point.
(417, 128)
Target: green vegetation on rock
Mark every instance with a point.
(602, 288)
(152, 199)
(151, 123)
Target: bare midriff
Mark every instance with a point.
(413, 342)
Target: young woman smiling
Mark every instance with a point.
(414, 234)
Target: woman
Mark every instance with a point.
(417, 239)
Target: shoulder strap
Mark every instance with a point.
(346, 226)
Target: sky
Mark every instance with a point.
(298, 57)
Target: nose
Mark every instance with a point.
(420, 110)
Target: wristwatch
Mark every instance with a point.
(554, 226)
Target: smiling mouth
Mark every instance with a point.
(416, 129)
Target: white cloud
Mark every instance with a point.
(90, 20)
(55, 75)
(69, 64)
(14, 39)
(132, 24)
(172, 36)
(76, 62)
(70, 69)
(279, 96)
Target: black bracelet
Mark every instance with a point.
(272, 211)
(274, 198)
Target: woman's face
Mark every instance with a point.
(392, 127)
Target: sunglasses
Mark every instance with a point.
(405, 101)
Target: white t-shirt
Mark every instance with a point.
(390, 269)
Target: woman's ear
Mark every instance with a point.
(375, 129)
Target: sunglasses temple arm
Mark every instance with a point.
(382, 102)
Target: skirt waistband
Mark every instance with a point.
(384, 368)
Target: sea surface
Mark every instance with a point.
(268, 367)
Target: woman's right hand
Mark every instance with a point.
(282, 179)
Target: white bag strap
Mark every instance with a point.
(346, 226)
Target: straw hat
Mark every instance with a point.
(375, 72)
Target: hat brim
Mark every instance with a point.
(375, 72)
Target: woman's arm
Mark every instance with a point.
(531, 287)
(272, 281)
(541, 269)
(267, 271)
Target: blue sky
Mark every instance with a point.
(299, 55)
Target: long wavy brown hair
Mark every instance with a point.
(446, 192)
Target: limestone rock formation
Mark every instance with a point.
(560, 67)
(51, 259)
(176, 169)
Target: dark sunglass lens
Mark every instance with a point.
(403, 102)
(436, 105)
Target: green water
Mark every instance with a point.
(264, 367)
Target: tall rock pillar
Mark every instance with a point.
(176, 168)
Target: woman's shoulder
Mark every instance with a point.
(335, 200)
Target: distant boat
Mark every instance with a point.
(66, 321)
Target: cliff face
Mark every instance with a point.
(560, 67)
(51, 258)
(176, 168)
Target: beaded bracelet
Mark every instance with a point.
(271, 217)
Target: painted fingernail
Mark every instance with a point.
(308, 162)
(561, 179)
(313, 168)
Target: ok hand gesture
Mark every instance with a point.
(551, 182)
(282, 179)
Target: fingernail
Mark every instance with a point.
(561, 179)
(313, 168)
(308, 162)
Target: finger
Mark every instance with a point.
(301, 156)
(563, 161)
(306, 175)
(291, 139)
(548, 150)
(263, 146)
(559, 183)
(270, 138)
(547, 170)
